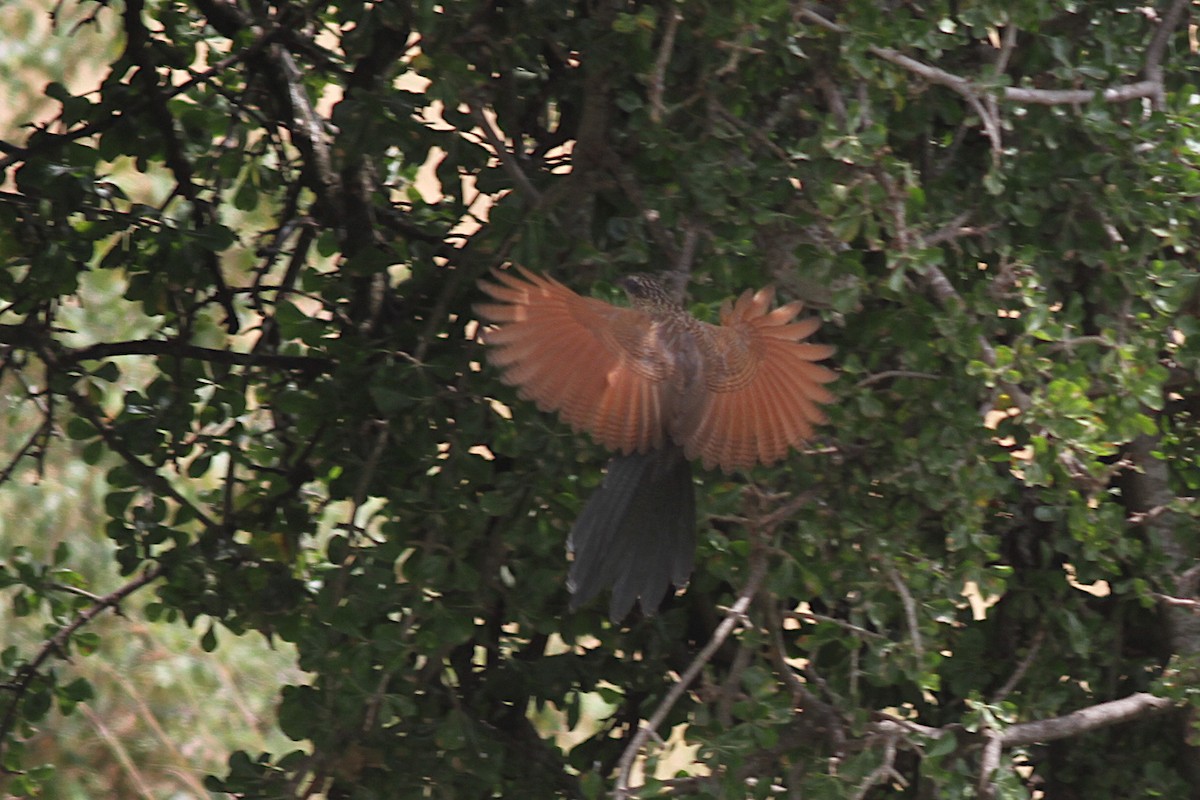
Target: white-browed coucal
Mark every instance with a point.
(661, 388)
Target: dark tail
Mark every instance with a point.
(637, 534)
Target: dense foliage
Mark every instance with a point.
(239, 278)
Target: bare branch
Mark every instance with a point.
(1022, 668)
(956, 229)
(1179, 602)
(808, 616)
(833, 96)
(136, 105)
(733, 617)
(1059, 97)
(658, 77)
(989, 762)
(506, 157)
(886, 771)
(688, 254)
(1077, 341)
(1144, 517)
(1158, 46)
(309, 131)
(651, 216)
(1007, 45)
(888, 374)
(730, 687)
(1151, 88)
(945, 293)
(37, 441)
(910, 612)
(1135, 706)
(888, 723)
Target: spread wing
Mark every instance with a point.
(602, 368)
(762, 385)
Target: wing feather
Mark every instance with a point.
(763, 387)
(594, 364)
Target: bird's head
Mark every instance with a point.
(647, 291)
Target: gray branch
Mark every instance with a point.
(1103, 715)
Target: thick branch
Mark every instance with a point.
(1085, 720)
(1158, 46)
(163, 347)
(1127, 709)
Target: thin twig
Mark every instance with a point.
(733, 617)
(506, 157)
(139, 104)
(117, 742)
(149, 476)
(1022, 668)
(75, 590)
(1048, 97)
(895, 373)
(651, 216)
(778, 652)
(41, 434)
(910, 612)
(885, 771)
(729, 691)
(58, 642)
(1150, 515)
(1008, 44)
(368, 474)
(956, 229)
(1076, 341)
(808, 616)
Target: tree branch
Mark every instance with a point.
(163, 347)
(1158, 46)
(885, 771)
(506, 157)
(910, 613)
(1151, 88)
(989, 763)
(308, 130)
(1135, 706)
(1022, 668)
(58, 642)
(658, 77)
(888, 374)
(735, 615)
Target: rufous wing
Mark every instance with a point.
(599, 366)
(762, 386)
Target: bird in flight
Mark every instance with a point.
(661, 389)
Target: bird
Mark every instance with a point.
(661, 389)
